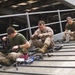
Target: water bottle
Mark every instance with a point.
(29, 60)
(68, 36)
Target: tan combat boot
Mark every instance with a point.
(44, 48)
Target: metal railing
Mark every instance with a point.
(34, 13)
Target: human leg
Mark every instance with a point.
(72, 37)
(48, 42)
(13, 55)
(4, 59)
(36, 43)
(2, 54)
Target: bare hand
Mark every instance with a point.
(40, 35)
(71, 33)
(35, 34)
(15, 47)
(4, 38)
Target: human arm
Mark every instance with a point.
(21, 42)
(35, 35)
(4, 38)
(25, 45)
(68, 30)
(49, 32)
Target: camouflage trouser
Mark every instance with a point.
(14, 55)
(39, 43)
(3, 59)
(9, 58)
(68, 36)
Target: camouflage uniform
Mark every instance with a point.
(8, 58)
(46, 39)
(70, 28)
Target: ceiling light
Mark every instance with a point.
(35, 8)
(56, 3)
(45, 6)
(27, 10)
(14, 6)
(22, 3)
(31, 1)
(15, 25)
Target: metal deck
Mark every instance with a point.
(61, 62)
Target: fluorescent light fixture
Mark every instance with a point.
(32, 1)
(14, 6)
(15, 25)
(27, 10)
(45, 6)
(22, 3)
(56, 3)
(35, 8)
